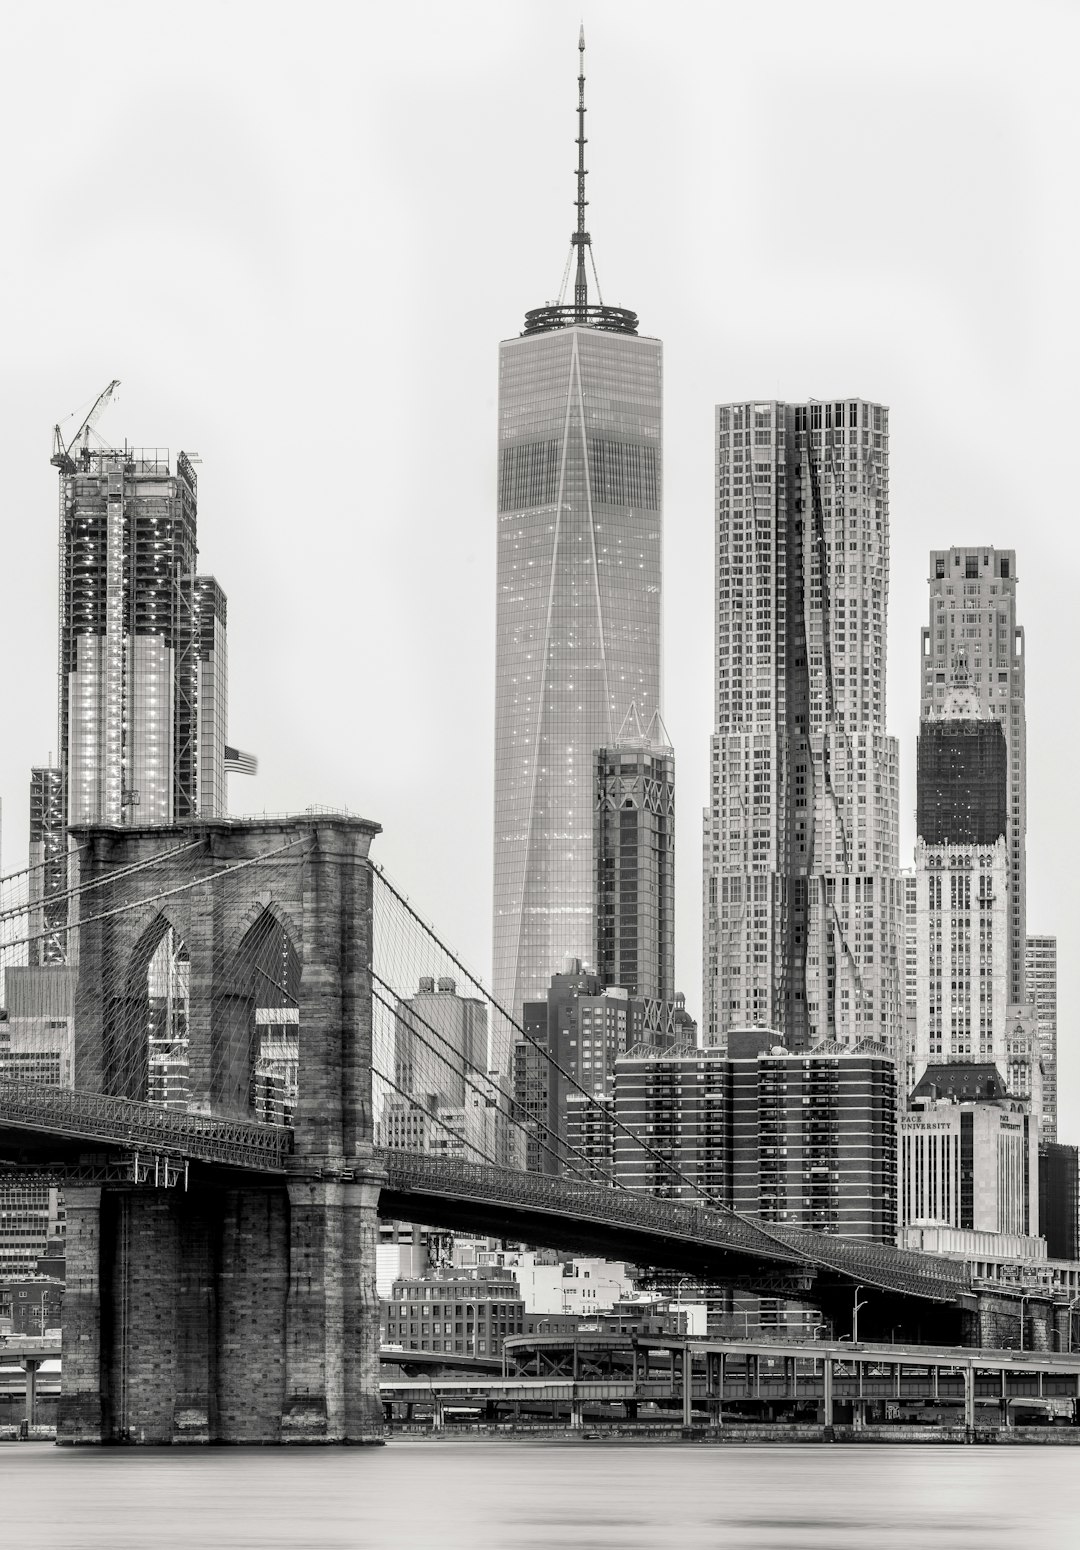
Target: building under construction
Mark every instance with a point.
(143, 695)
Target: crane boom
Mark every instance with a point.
(62, 457)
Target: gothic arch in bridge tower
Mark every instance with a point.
(145, 1019)
(256, 1023)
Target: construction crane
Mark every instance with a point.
(62, 455)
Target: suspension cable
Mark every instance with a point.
(99, 882)
(459, 1055)
(165, 893)
(617, 1123)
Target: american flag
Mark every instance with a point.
(237, 762)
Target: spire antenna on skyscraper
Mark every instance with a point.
(581, 238)
(560, 314)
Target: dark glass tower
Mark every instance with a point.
(578, 606)
(635, 864)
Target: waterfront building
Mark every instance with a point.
(803, 904)
(1040, 970)
(468, 1312)
(969, 1153)
(973, 616)
(806, 1138)
(30, 1304)
(578, 607)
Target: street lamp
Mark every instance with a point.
(678, 1303)
(814, 1330)
(855, 1316)
(1023, 1299)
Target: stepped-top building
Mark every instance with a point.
(973, 614)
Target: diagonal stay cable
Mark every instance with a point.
(163, 893)
(98, 882)
(39, 866)
(414, 1016)
(666, 1163)
(458, 1137)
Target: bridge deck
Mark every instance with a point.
(775, 1259)
(443, 1189)
(94, 1118)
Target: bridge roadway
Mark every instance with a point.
(759, 1375)
(56, 1127)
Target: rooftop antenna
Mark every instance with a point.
(581, 239)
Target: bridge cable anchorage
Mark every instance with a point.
(443, 1068)
(445, 955)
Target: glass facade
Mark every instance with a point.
(578, 620)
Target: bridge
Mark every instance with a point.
(238, 988)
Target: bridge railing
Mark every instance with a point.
(876, 1265)
(96, 1117)
(467, 1180)
(901, 1269)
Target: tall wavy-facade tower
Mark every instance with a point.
(578, 613)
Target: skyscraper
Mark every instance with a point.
(635, 863)
(578, 605)
(973, 613)
(1041, 975)
(143, 690)
(130, 619)
(961, 871)
(803, 903)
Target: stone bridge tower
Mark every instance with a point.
(242, 1307)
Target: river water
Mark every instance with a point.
(507, 1494)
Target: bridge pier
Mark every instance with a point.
(235, 1315)
(1040, 1323)
(80, 1409)
(240, 1307)
(332, 1333)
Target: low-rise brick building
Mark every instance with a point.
(465, 1312)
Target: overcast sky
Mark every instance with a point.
(297, 234)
